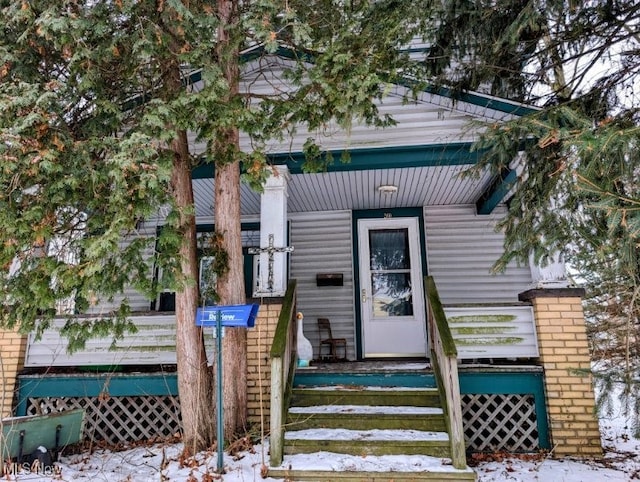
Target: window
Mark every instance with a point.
(206, 281)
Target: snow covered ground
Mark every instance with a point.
(162, 462)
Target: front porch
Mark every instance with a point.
(510, 391)
(510, 405)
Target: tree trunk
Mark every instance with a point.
(230, 285)
(195, 381)
(231, 292)
(195, 378)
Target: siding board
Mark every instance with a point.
(323, 243)
(154, 344)
(137, 300)
(461, 250)
(493, 332)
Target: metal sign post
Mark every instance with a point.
(221, 316)
(220, 408)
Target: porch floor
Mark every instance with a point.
(374, 366)
(414, 365)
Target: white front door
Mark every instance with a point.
(391, 289)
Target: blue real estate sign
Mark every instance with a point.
(243, 316)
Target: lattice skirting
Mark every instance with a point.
(491, 422)
(500, 422)
(117, 420)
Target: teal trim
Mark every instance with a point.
(382, 379)
(209, 228)
(247, 258)
(496, 192)
(366, 159)
(500, 382)
(115, 384)
(379, 214)
(487, 382)
(395, 157)
(501, 105)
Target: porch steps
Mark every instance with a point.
(367, 433)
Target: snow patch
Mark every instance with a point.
(328, 461)
(367, 409)
(344, 434)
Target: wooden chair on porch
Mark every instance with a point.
(328, 341)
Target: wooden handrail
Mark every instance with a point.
(283, 362)
(445, 368)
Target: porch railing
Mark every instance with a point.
(283, 364)
(445, 368)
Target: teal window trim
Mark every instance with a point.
(247, 267)
(209, 228)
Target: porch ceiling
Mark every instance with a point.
(355, 190)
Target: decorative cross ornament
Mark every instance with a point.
(270, 251)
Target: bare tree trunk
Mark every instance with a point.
(195, 379)
(195, 382)
(230, 285)
(231, 291)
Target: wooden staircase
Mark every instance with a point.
(367, 433)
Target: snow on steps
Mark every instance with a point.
(373, 396)
(368, 442)
(364, 416)
(329, 467)
(367, 433)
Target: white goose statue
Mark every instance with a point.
(305, 350)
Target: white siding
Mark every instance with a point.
(154, 344)
(496, 332)
(461, 249)
(137, 301)
(323, 244)
(431, 118)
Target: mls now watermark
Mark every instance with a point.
(26, 468)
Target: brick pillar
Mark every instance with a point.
(13, 347)
(259, 340)
(563, 345)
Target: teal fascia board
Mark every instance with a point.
(116, 385)
(495, 103)
(501, 105)
(496, 192)
(453, 154)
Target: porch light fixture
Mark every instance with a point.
(387, 189)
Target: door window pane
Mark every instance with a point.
(391, 294)
(390, 266)
(389, 249)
